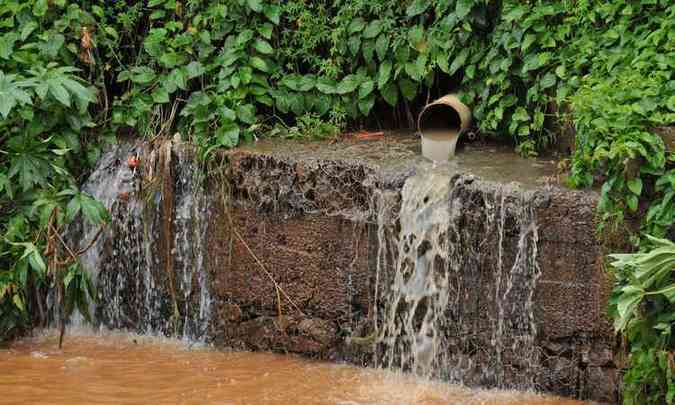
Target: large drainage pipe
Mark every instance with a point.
(440, 124)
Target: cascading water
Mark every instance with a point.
(418, 296)
(149, 265)
(459, 305)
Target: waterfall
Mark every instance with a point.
(149, 265)
(459, 302)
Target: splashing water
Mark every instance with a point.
(149, 265)
(460, 303)
(419, 294)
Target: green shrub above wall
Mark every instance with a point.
(74, 73)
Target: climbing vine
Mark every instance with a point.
(75, 74)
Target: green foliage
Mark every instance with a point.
(644, 310)
(44, 105)
(72, 73)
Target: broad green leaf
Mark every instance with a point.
(383, 74)
(263, 47)
(635, 186)
(246, 113)
(160, 95)
(260, 64)
(366, 104)
(273, 13)
(459, 61)
(417, 7)
(18, 302)
(366, 88)
(348, 84)
(266, 30)
(255, 5)
(306, 82)
(292, 81)
(463, 8)
(547, 81)
(326, 85)
(354, 44)
(373, 29)
(59, 92)
(632, 202)
(142, 75)
(356, 25)
(381, 46)
(228, 135)
(627, 305)
(40, 7)
(194, 69)
(408, 88)
(27, 29)
(390, 94)
(7, 42)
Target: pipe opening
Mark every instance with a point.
(439, 117)
(440, 124)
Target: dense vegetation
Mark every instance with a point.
(75, 73)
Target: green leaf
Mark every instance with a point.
(40, 8)
(417, 7)
(635, 186)
(59, 92)
(354, 44)
(326, 85)
(356, 25)
(7, 42)
(463, 8)
(11, 94)
(160, 95)
(390, 94)
(459, 61)
(246, 113)
(383, 74)
(263, 47)
(373, 29)
(266, 30)
(632, 202)
(292, 81)
(381, 46)
(259, 64)
(348, 84)
(194, 69)
(228, 114)
(18, 302)
(273, 13)
(228, 135)
(255, 5)
(27, 29)
(366, 104)
(547, 81)
(142, 75)
(366, 88)
(306, 82)
(408, 88)
(627, 305)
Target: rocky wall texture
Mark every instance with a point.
(296, 251)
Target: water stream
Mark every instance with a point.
(122, 368)
(455, 275)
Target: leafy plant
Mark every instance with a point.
(644, 306)
(75, 73)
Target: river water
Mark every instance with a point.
(122, 368)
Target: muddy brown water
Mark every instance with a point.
(398, 150)
(439, 145)
(119, 368)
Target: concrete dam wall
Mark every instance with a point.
(479, 272)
